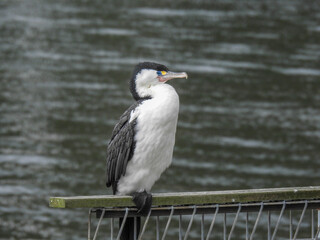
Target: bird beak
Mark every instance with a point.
(171, 75)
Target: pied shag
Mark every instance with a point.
(142, 142)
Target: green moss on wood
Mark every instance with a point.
(190, 198)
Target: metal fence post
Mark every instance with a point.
(318, 233)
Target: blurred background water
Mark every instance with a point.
(249, 114)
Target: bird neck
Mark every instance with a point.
(155, 91)
(162, 91)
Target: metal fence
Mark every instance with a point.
(275, 213)
(256, 220)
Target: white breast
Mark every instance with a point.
(155, 137)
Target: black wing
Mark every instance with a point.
(120, 148)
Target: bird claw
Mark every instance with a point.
(143, 202)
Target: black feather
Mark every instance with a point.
(121, 147)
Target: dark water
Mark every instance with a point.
(249, 115)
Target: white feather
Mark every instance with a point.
(155, 138)
(133, 115)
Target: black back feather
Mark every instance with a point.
(120, 148)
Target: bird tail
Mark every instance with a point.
(129, 228)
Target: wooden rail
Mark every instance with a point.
(192, 198)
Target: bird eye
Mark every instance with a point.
(161, 73)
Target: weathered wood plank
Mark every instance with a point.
(191, 198)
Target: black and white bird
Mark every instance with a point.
(142, 142)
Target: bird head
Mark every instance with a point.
(149, 74)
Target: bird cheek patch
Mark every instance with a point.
(161, 79)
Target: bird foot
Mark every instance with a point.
(143, 201)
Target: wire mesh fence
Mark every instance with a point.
(255, 220)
